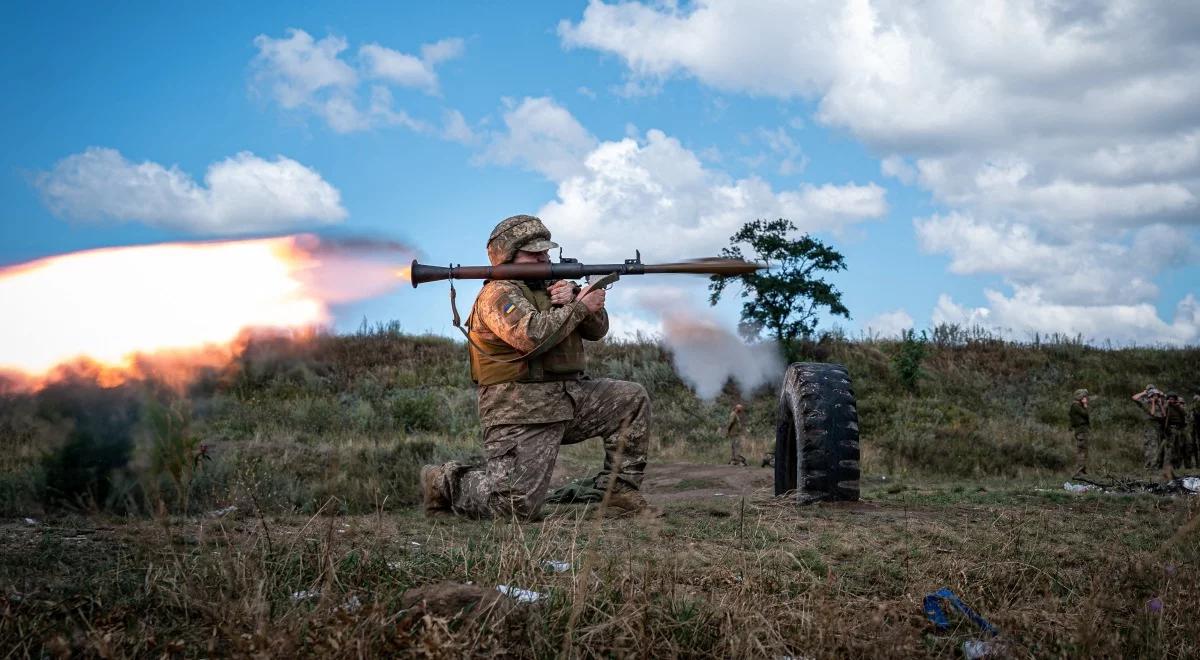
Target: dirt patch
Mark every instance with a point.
(673, 482)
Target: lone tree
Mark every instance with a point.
(785, 299)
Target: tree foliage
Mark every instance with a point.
(907, 361)
(786, 299)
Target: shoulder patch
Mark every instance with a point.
(508, 307)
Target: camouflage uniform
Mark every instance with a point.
(1080, 428)
(1153, 405)
(734, 432)
(1175, 441)
(528, 361)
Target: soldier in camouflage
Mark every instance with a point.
(527, 359)
(1153, 403)
(734, 430)
(1175, 441)
(1080, 419)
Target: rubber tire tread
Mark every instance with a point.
(816, 434)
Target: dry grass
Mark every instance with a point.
(318, 446)
(1059, 575)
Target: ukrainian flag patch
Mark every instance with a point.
(508, 307)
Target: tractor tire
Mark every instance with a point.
(816, 434)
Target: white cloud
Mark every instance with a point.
(455, 127)
(542, 136)
(1058, 133)
(1083, 267)
(1025, 313)
(409, 70)
(657, 189)
(301, 73)
(241, 194)
(654, 187)
(890, 324)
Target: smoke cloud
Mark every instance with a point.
(706, 354)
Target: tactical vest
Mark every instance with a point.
(493, 361)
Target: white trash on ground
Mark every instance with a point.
(306, 594)
(522, 595)
(556, 566)
(223, 512)
(977, 648)
(31, 521)
(1191, 483)
(1077, 488)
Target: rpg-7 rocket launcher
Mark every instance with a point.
(599, 276)
(567, 269)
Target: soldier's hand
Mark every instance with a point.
(561, 292)
(593, 299)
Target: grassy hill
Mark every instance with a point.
(310, 456)
(293, 423)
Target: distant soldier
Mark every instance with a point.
(734, 430)
(1175, 444)
(1153, 403)
(1080, 427)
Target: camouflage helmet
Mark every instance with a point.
(1079, 394)
(520, 232)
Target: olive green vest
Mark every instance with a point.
(493, 361)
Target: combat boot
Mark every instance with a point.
(629, 504)
(435, 494)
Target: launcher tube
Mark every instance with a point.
(422, 273)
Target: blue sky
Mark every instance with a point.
(543, 90)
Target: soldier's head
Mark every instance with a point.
(521, 239)
(738, 408)
(1081, 395)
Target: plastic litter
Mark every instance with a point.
(305, 594)
(395, 565)
(977, 648)
(1191, 483)
(521, 595)
(1077, 488)
(31, 521)
(223, 512)
(555, 566)
(934, 611)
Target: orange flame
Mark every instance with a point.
(114, 306)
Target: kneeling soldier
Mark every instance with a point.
(526, 347)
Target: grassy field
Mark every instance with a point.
(268, 509)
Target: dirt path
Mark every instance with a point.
(672, 482)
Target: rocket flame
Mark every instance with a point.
(112, 306)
